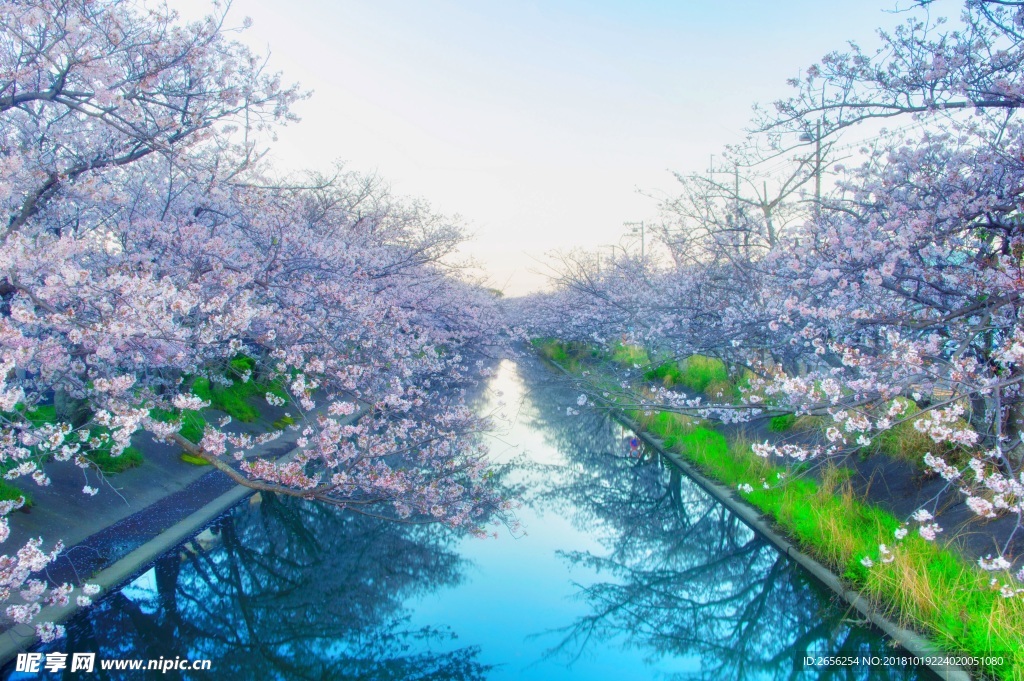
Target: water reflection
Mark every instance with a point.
(628, 571)
(681, 575)
(291, 590)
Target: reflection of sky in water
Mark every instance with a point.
(519, 591)
(143, 591)
(628, 567)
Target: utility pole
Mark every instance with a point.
(806, 137)
(736, 189)
(817, 169)
(600, 253)
(643, 236)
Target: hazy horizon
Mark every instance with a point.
(539, 124)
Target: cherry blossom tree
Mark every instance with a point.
(903, 285)
(147, 244)
(924, 66)
(914, 286)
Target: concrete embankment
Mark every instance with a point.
(915, 644)
(20, 637)
(138, 515)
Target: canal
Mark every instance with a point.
(625, 570)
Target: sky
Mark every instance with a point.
(543, 125)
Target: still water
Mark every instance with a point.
(627, 570)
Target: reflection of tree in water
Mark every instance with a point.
(290, 590)
(682, 576)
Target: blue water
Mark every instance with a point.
(626, 570)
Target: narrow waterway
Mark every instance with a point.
(626, 570)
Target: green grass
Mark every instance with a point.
(926, 586)
(780, 424)
(239, 365)
(551, 349)
(238, 399)
(194, 460)
(629, 355)
(670, 427)
(101, 457)
(570, 356)
(193, 425)
(41, 415)
(905, 442)
(669, 374)
(807, 423)
(722, 391)
(9, 492)
(233, 400)
(699, 372)
(99, 454)
(283, 422)
(129, 458)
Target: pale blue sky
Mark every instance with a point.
(538, 121)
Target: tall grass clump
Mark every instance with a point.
(782, 423)
(629, 355)
(722, 391)
(904, 441)
(570, 356)
(697, 373)
(669, 374)
(926, 586)
(701, 373)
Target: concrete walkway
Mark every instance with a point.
(137, 515)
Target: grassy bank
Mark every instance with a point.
(920, 584)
